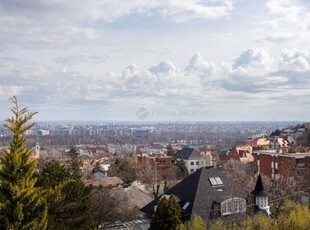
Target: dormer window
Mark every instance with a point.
(233, 206)
(262, 202)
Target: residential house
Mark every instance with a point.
(242, 154)
(209, 155)
(192, 159)
(260, 143)
(282, 142)
(99, 179)
(159, 164)
(211, 195)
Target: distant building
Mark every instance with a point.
(142, 133)
(282, 142)
(242, 154)
(261, 143)
(273, 163)
(192, 159)
(100, 179)
(43, 132)
(159, 164)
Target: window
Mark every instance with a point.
(241, 204)
(192, 170)
(215, 181)
(262, 202)
(300, 160)
(192, 163)
(233, 205)
(212, 181)
(196, 162)
(218, 180)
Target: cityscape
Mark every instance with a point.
(154, 115)
(129, 158)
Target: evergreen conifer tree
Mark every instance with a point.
(22, 204)
(73, 208)
(167, 215)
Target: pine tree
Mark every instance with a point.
(167, 215)
(22, 204)
(73, 209)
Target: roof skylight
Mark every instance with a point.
(215, 181)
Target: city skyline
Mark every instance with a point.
(212, 60)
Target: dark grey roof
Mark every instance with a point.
(259, 188)
(198, 191)
(187, 153)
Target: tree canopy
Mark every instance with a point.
(23, 205)
(196, 224)
(167, 215)
(73, 209)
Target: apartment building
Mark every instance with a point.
(282, 162)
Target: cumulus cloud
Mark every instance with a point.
(198, 65)
(164, 84)
(295, 60)
(164, 68)
(252, 73)
(253, 62)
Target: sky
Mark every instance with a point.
(156, 60)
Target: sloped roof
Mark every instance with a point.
(261, 141)
(187, 153)
(198, 191)
(133, 196)
(259, 188)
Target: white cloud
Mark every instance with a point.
(288, 20)
(199, 83)
(184, 10)
(199, 65)
(295, 60)
(164, 68)
(58, 23)
(253, 62)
